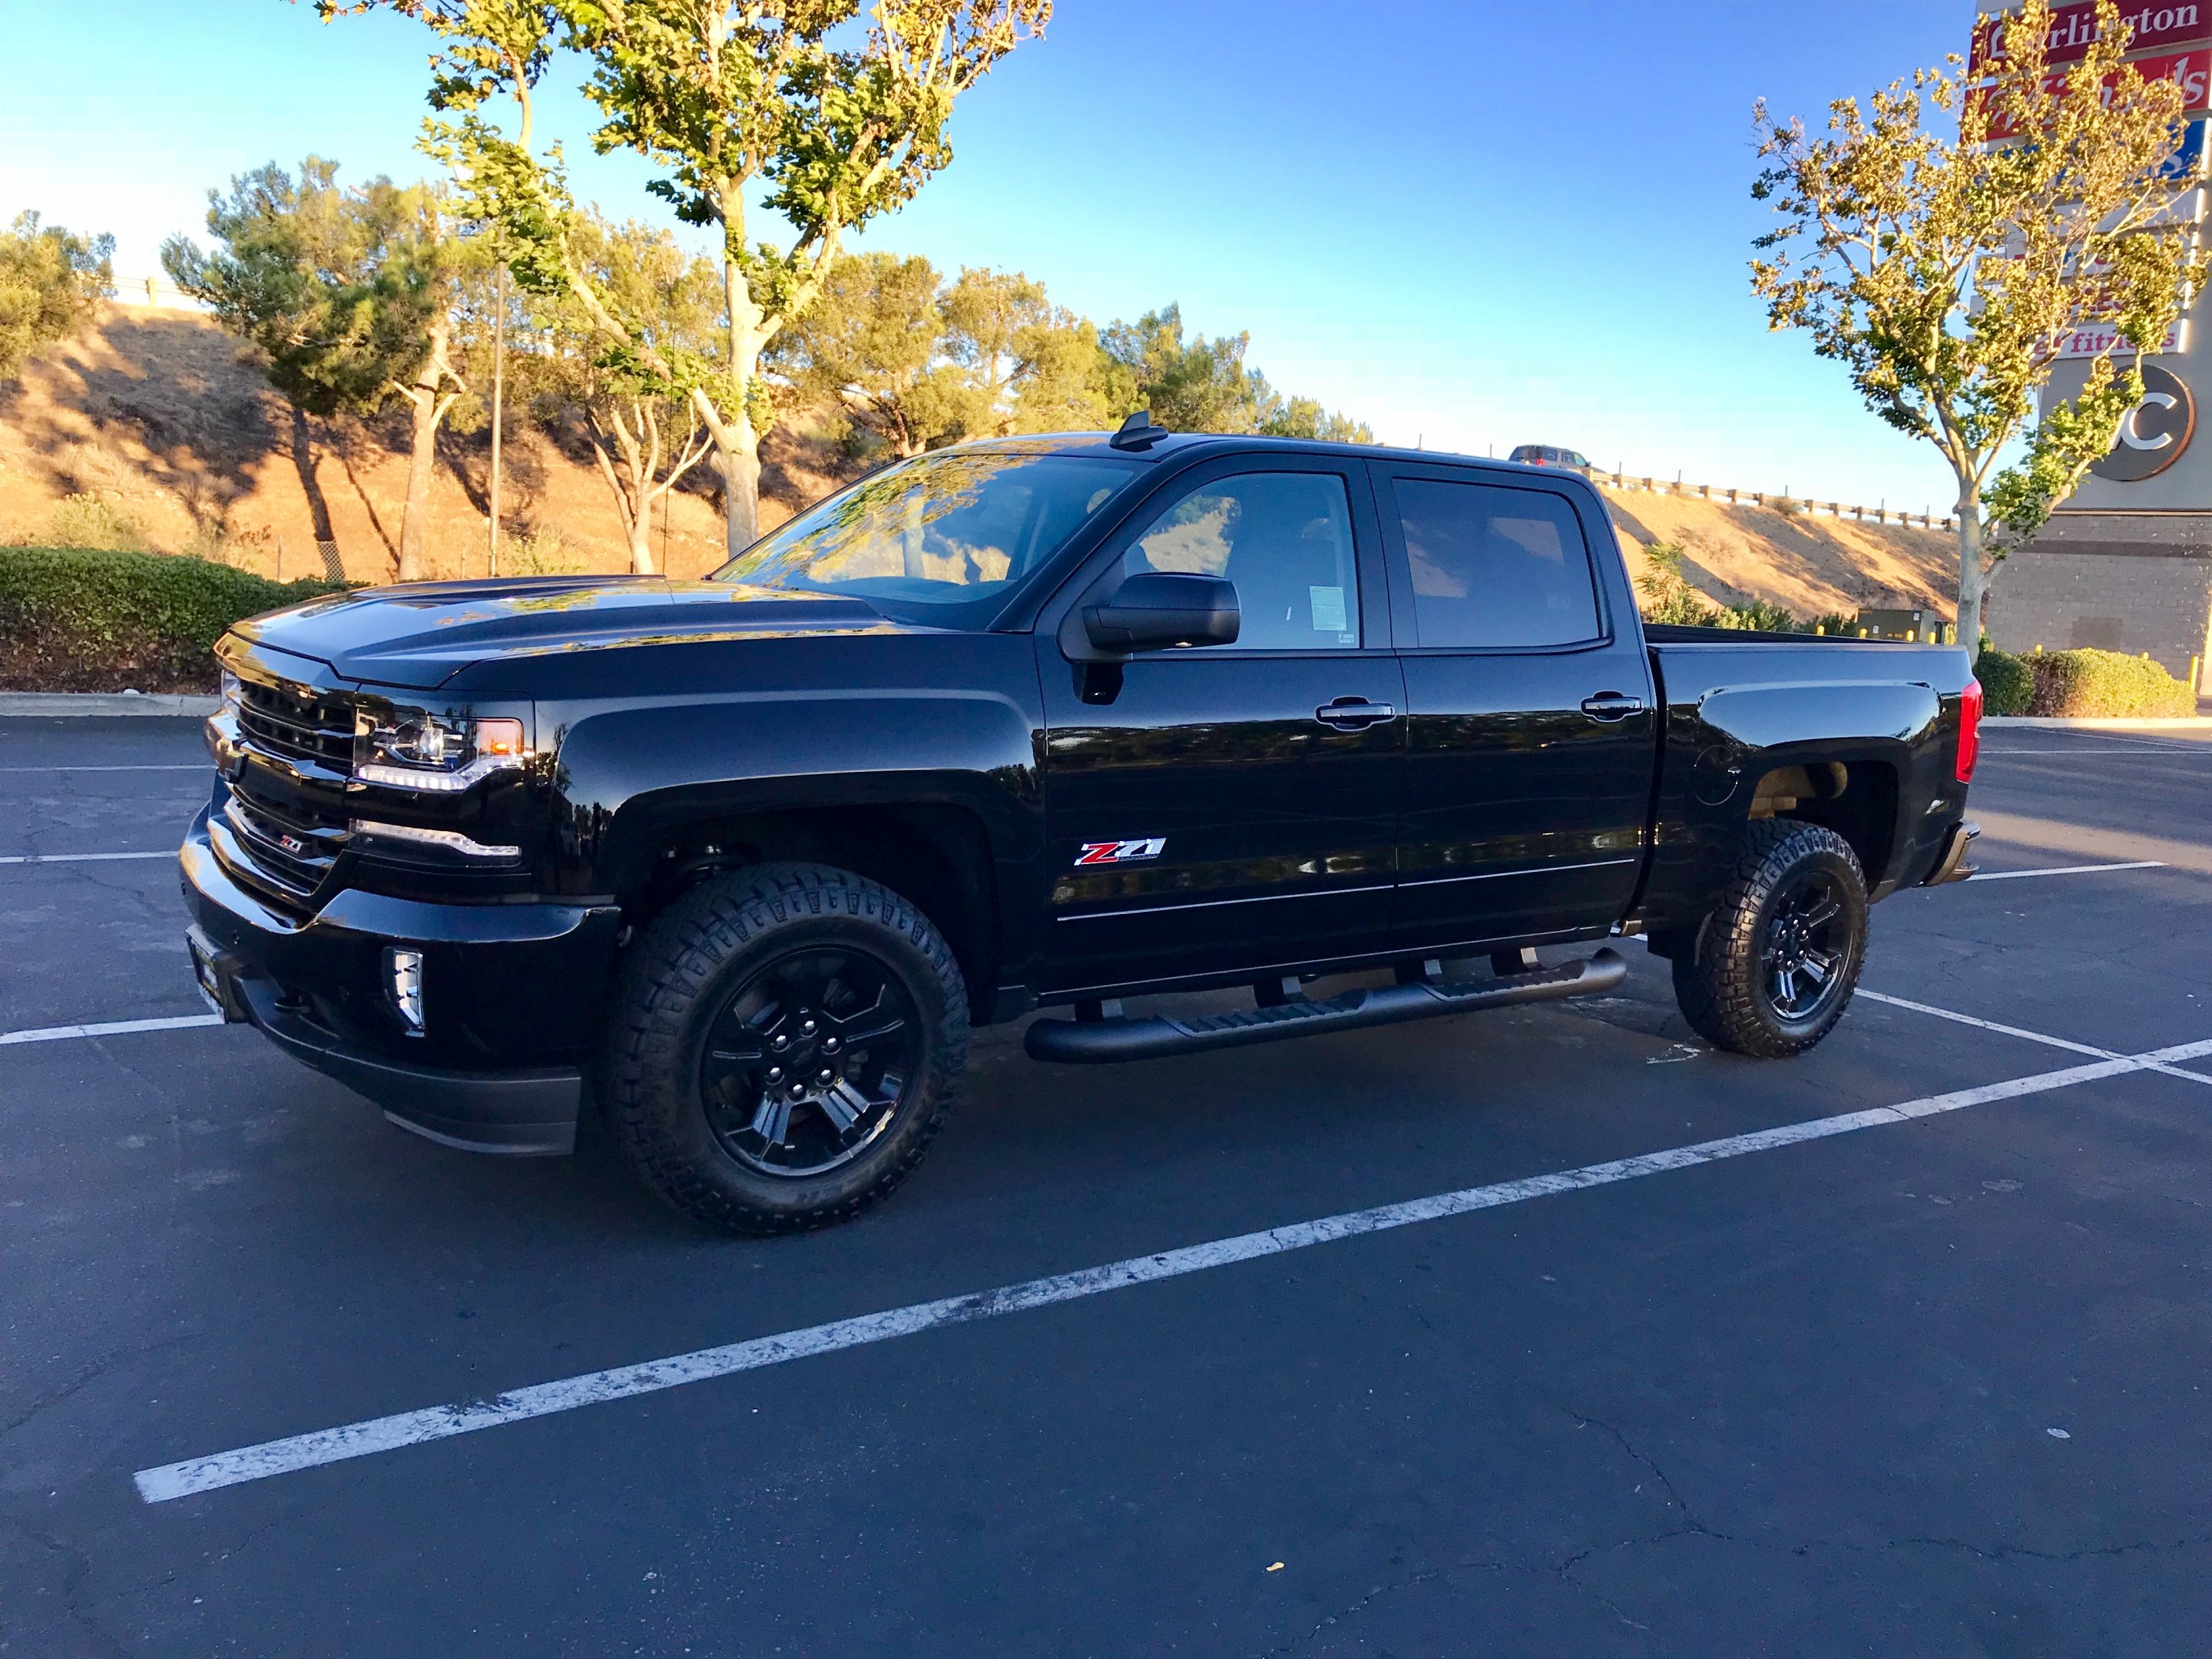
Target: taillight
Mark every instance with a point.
(1970, 731)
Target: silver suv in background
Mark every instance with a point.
(1551, 455)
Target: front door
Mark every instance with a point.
(1233, 806)
(1530, 744)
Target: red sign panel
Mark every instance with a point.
(2151, 24)
(2191, 70)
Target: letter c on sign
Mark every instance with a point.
(2135, 440)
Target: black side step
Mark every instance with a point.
(1098, 1040)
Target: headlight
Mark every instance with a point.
(231, 695)
(411, 750)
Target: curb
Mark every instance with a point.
(2106, 722)
(46, 704)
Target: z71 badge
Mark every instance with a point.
(1120, 851)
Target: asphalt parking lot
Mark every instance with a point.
(1928, 1381)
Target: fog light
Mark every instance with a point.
(404, 970)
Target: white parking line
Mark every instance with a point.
(82, 858)
(196, 766)
(2065, 869)
(383, 1434)
(2016, 1031)
(112, 1028)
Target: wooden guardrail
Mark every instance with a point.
(1628, 484)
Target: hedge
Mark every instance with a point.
(2105, 683)
(2008, 683)
(78, 619)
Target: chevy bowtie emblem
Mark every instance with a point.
(1120, 851)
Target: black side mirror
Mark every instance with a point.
(1156, 609)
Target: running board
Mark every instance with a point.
(1099, 1040)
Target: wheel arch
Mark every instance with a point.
(936, 854)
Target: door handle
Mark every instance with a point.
(1611, 705)
(1355, 713)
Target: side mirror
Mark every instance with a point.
(1157, 609)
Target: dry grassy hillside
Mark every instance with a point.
(1806, 565)
(158, 425)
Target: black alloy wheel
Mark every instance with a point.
(1805, 949)
(1773, 967)
(808, 1061)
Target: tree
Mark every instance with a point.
(348, 294)
(643, 440)
(1203, 386)
(50, 284)
(834, 125)
(872, 346)
(988, 314)
(1196, 385)
(1946, 275)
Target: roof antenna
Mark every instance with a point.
(1137, 432)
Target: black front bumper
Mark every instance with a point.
(505, 987)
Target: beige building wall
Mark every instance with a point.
(2111, 595)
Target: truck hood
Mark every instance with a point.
(421, 635)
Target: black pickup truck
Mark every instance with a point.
(1032, 722)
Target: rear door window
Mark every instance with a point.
(1495, 568)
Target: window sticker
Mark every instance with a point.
(1327, 609)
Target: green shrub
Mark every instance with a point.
(2008, 685)
(1760, 617)
(1664, 594)
(2106, 683)
(78, 619)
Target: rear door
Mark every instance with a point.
(1530, 736)
(1226, 807)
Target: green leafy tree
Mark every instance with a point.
(1190, 384)
(1198, 385)
(832, 122)
(1944, 273)
(52, 284)
(643, 440)
(349, 294)
(871, 347)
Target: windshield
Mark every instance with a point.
(944, 529)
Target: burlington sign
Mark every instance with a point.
(2074, 31)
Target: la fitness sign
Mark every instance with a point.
(2074, 30)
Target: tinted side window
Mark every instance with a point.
(1494, 567)
(1285, 538)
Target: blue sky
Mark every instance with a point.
(1469, 223)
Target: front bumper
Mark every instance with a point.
(507, 989)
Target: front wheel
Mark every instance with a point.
(786, 1042)
(1774, 966)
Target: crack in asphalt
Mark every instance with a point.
(76, 1575)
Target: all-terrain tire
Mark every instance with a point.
(677, 981)
(1725, 982)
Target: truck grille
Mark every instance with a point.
(288, 814)
(298, 723)
(294, 845)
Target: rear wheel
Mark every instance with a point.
(785, 1043)
(1774, 966)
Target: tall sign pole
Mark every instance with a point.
(2125, 562)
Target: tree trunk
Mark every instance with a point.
(429, 409)
(419, 461)
(739, 447)
(1971, 581)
